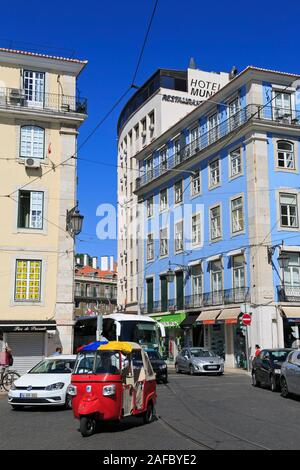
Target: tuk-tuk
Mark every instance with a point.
(110, 381)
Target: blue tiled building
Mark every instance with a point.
(220, 192)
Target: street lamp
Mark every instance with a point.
(170, 274)
(74, 222)
(283, 262)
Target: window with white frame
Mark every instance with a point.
(32, 142)
(285, 155)
(150, 206)
(214, 173)
(149, 167)
(163, 242)
(238, 270)
(196, 274)
(233, 112)
(30, 209)
(235, 162)
(179, 236)
(178, 192)
(28, 280)
(237, 215)
(195, 184)
(150, 247)
(176, 151)
(34, 87)
(282, 105)
(163, 199)
(216, 272)
(194, 135)
(144, 130)
(288, 210)
(215, 223)
(163, 159)
(213, 128)
(292, 270)
(196, 229)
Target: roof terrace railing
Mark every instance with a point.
(234, 122)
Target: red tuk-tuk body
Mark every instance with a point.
(112, 381)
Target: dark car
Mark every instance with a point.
(159, 366)
(266, 368)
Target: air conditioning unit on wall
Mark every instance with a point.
(32, 163)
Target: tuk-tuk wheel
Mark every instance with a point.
(149, 413)
(87, 425)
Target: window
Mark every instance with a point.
(178, 192)
(195, 184)
(34, 84)
(216, 276)
(194, 135)
(179, 236)
(196, 229)
(288, 210)
(233, 109)
(238, 268)
(163, 242)
(215, 223)
(151, 123)
(150, 207)
(285, 155)
(237, 215)
(196, 273)
(176, 151)
(214, 173)
(235, 162)
(30, 209)
(131, 268)
(32, 142)
(137, 132)
(163, 159)
(292, 271)
(213, 128)
(28, 280)
(282, 110)
(149, 168)
(150, 247)
(163, 200)
(144, 130)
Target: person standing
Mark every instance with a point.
(257, 350)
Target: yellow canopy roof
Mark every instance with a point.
(123, 346)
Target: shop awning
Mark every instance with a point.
(171, 321)
(189, 321)
(208, 317)
(229, 315)
(291, 314)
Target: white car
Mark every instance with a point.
(45, 384)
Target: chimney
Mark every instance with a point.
(104, 263)
(85, 260)
(192, 63)
(95, 262)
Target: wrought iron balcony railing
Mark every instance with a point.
(93, 294)
(266, 113)
(288, 293)
(207, 299)
(15, 98)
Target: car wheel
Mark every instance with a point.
(255, 382)
(284, 388)
(68, 402)
(192, 371)
(87, 425)
(148, 416)
(273, 383)
(177, 368)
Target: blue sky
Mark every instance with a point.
(109, 35)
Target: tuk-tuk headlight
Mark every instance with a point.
(109, 390)
(72, 390)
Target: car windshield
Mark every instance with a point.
(98, 362)
(154, 355)
(54, 366)
(278, 356)
(198, 352)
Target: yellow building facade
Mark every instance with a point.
(40, 115)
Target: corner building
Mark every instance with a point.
(40, 114)
(220, 212)
(165, 98)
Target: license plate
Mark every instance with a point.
(212, 367)
(28, 395)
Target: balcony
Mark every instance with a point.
(93, 294)
(208, 299)
(263, 113)
(288, 293)
(19, 99)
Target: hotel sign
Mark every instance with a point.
(205, 84)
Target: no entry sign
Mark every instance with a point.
(246, 319)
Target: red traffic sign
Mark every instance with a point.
(246, 319)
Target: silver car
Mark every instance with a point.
(199, 361)
(290, 375)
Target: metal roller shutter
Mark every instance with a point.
(27, 349)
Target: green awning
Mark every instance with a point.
(171, 321)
